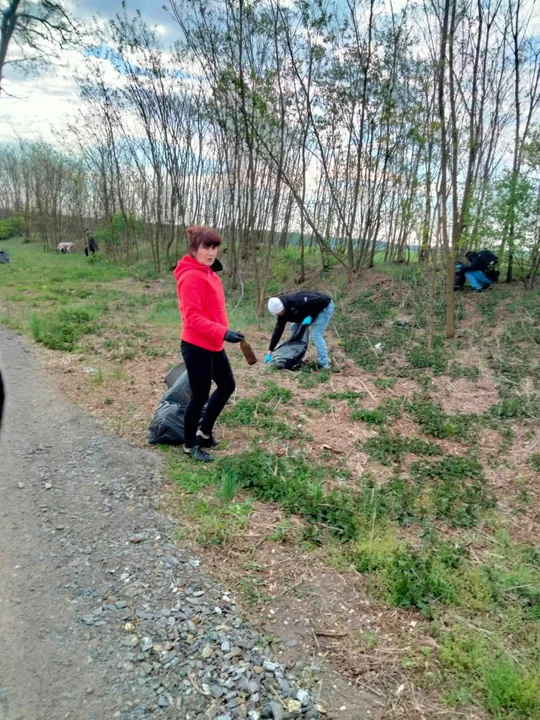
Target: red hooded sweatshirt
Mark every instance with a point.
(202, 304)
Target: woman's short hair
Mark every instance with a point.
(199, 235)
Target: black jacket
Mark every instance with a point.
(479, 261)
(298, 306)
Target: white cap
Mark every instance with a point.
(275, 306)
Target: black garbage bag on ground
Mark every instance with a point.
(290, 354)
(4, 257)
(459, 276)
(174, 373)
(167, 426)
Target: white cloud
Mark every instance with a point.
(33, 106)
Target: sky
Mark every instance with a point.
(34, 106)
(38, 108)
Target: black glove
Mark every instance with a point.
(233, 337)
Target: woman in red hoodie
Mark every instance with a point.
(205, 327)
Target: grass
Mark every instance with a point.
(388, 448)
(434, 421)
(351, 396)
(371, 417)
(62, 330)
(260, 413)
(410, 508)
(63, 301)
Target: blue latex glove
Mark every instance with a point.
(268, 358)
(307, 321)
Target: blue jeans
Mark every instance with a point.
(318, 326)
(477, 279)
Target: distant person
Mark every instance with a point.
(479, 272)
(65, 247)
(304, 307)
(205, 328)
(91, 244)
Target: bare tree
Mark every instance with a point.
(37, 29)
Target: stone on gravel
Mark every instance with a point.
(146, 644)
(293, 706)
(206, 652)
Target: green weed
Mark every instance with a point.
(511, 407)
(434, 421)
(371, 417)
(318, 404)
(419, 579)
(435, 359)
(62, 330)
(253, 589)
(310, 378)
(481, 663)
(351, 396)
(228, 488)
(452, 489)
(273, 392)
(298, 487)
(282, 532)
(456, 371)
(218, 526)
(392, 408)
(385, 383)
(388, 448)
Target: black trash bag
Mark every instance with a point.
(4, 257)
(459, 276)
(179, 392)
(167, 426)
(174, 373)
(290, 354)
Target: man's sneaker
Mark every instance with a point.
(198, 454)
(204, 442)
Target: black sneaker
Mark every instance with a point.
(206, 442)
(198, 454)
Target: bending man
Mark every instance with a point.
(305, 307)
(476, 269)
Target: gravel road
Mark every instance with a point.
(102, 615)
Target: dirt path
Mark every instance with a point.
(102, 615)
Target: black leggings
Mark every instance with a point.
(203, 366)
